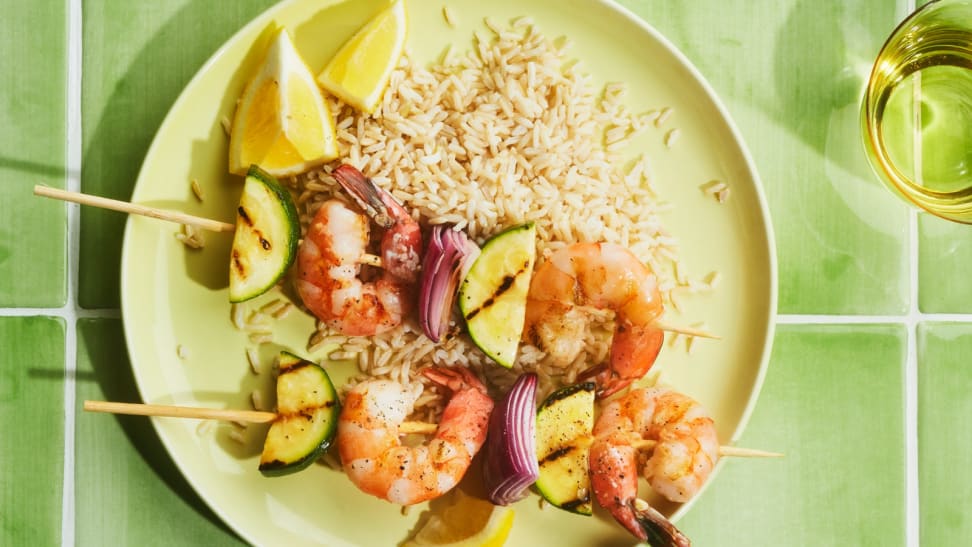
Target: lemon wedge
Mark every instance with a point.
(359, 72)
(467, 522)
(282, 123)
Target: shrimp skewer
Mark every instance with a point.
(369, 441)
(330, 256)
(685, 451)
(602, 275)
(401, 245)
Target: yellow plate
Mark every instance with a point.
(172, 296)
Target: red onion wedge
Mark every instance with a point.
(510, 466)
(448, 257)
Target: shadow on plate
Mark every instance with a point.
(319, 38)
(110, 377)
(120, 122)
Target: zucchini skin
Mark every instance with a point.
(285, 252)
(573, 452)
(292, 414)
(567, 392)
(493, 320)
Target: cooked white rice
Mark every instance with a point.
(191, 237)
(197, 190)
(510, 132)
(717, 189)
(449, 17)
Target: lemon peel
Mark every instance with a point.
(359, 72)
(282, 122)
(467, 522)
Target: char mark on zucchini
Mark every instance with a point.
(244, 216)
(492, 297)
(265, 241)
(504, 286)
(307, 416)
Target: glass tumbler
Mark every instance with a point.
(916, 116)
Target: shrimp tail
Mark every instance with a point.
(658, 530)
(609, 384)
(633, 353)
(608, 381)
(454, 379)
(369, 196)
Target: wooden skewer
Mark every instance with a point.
(172, 411)
(161, 214)
(667, 327)
(732, 451)
(688, 331)
(132, 208)
(741, 452)
(257, 416)
(726, 450)
(420, 428)
(224, 414)
(219, 226)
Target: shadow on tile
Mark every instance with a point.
(102, 343)
(130, 114)
(819, 88)
(60, 374)
(52, 170)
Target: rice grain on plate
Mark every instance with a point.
(717, 189)
(510, 132)
(253, 359)
(449, 17)
(197, 190)
(191, 237)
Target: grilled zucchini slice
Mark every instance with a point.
(265, 241)
(492, 297)
(307, 414)
(565, 422)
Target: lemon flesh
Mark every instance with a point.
(282, 122)
(359, 72)
(468, 522)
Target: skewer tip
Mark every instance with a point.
(687, 331)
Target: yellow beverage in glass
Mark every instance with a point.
(917, 112)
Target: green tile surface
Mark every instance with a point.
(127, 489)
(32, 378)
(791, 74)
(833, 402)
(944, 433)
(944, 260)
(33, 231)
(133, 72)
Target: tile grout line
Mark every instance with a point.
(71, 310)
(65, 313)
(912, 501)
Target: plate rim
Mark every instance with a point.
(764, 216)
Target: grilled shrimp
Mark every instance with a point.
(685, 450)
(328, 262)
(602, 275)
(371, 450)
